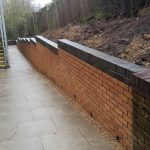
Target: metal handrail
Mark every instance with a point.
(3, 34)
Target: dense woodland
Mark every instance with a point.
(16, 12)
(62, 12)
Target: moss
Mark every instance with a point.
(99, 15)
(86, 18)
(144, 12)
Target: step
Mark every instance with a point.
(2, 63)
(1, 54)
(1, 58)
(3, 66)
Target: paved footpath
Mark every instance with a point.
(36, 115)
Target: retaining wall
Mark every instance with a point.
(114, 92)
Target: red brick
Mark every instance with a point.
(128, 94)
(123, 97)
(114, 91)
(119, 112)
(123, 85)
(123, 121)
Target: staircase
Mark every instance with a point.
(2, 59)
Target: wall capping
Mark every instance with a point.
(28, 40)
(141, 83)
(115, 67)
(33, 41)
(20, 39)
(129, 73)
(24, 39)
(47, 43)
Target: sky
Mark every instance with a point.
(41, 3)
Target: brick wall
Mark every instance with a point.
(108, 100)
(141, 110)
(100, 83)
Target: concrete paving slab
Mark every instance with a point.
(36, 115)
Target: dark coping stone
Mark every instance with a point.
(24, 39)
(33, 41)
(116, 67)
(28, 40)
(19, 39)
(48, 44)
(141, 83)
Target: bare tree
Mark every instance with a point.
(16, 12)
(62, 12)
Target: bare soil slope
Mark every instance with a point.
(126, 38)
